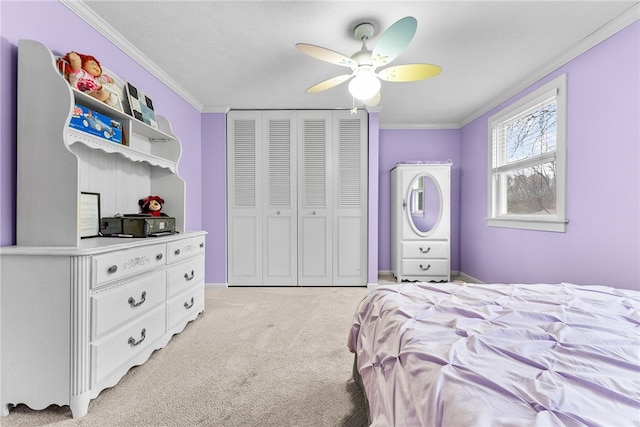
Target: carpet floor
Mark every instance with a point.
(257, 356)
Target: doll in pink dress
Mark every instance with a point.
(85, 74)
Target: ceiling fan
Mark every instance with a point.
(365, 84)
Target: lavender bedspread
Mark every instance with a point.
(499, 355)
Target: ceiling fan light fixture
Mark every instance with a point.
(365, 85)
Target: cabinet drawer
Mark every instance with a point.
(425, 267)
(186, 305)
(184, 275)
(183, 249)
(119, 264)
(127, 301)
(425, 249)
(127, 342)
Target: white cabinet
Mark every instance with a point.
(77, 314)
(75, 320)
(421, 221)
(297, 198)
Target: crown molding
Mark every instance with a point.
(621, 21)
(85, 13)
(419, 126)
(216, 109)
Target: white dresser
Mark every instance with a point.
(421, 221)
(77, 313)
(76, 319)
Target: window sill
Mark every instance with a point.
(538, 224)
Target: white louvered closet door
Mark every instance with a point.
(279, 211)
(349, 203)
(244, 204)
(297, 198)
(314, 198)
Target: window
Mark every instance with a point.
(527, 161)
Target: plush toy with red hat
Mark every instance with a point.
(152, 205)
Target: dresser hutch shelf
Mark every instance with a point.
(77, 313)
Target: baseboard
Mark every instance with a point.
(469, 279)
(216, 285)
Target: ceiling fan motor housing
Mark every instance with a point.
(363, 31)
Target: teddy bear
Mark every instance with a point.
(85, 74)
(152, 205)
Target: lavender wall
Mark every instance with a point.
(214, 195)
(601, 244)
(398, 145)
(61, 30)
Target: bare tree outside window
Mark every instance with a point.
(532, 189)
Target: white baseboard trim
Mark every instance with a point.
(469, 279)
(216, 285)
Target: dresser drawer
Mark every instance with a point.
(126, 301)
(186, 305)
(425, 249)
(127, 342)
(425, 267)
(183, 249)
(120, 264)
(184, 275)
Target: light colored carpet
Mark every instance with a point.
(255, 357)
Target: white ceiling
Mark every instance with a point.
(242, 55)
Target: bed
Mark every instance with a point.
(455, 354)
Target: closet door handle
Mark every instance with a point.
(132, 341)
(133, 302)
(425, 268)
(425, 252)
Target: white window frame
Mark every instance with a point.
(557, 222)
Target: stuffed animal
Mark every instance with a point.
(85, 74)
(152, 205)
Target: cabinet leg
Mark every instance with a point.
(79, 405)
(4, 410)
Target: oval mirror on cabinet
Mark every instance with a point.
(424, 204)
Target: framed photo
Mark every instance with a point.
(89, 215)
(141, 106)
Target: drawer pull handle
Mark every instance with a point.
(133, 302)
(202, 245)
(425, 268)
(159, 257)
(132, 341)
(112, 269)
(187, 305)
(188, 277)
(425, 252)
(177, 252)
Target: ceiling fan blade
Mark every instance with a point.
(409, 72)
(328, 84)
(325, 54)
(393, 41)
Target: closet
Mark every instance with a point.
(297, 198)
(421, 221)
